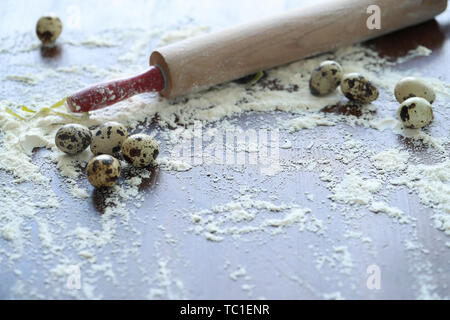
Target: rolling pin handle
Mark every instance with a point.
(108, 93)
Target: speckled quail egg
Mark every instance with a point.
(48, 29)
(103, 171)
(357, 88)
(108, 138)
(413, 87)
(326, 78)
(140, 150)
(73, 138)
(415, 112)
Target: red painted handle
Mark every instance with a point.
(108, 93)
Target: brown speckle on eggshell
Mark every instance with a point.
(415, 112)
(73, 138)
(326, 78)
(103, 171)
(108, 138)
(48, 29)
(140, 150)
(357, 88)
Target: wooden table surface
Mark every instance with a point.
(175, 263)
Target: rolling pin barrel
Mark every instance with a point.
(230, 54)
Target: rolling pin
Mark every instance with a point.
(210, 59)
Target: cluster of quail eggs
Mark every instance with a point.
(329, 75)
(415, 97)
(107, 143)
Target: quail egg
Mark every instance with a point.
(415, 112)
(108, 138)
(103, 171)
(326, 78)
(140, 150)
(413, 87)
(48, 29)
(357, 88)
(73, 138)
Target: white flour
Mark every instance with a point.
(249, 212)
(390, 160)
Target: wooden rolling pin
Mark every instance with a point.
(219, 57)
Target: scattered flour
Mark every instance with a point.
(308, 122)
(432, 184)
(420, 51)
(284, 89)
(379, 206)
(354, 189)
(390, 160)
(173, 165)
(179, 35)
(333, 296)
(243, 216)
